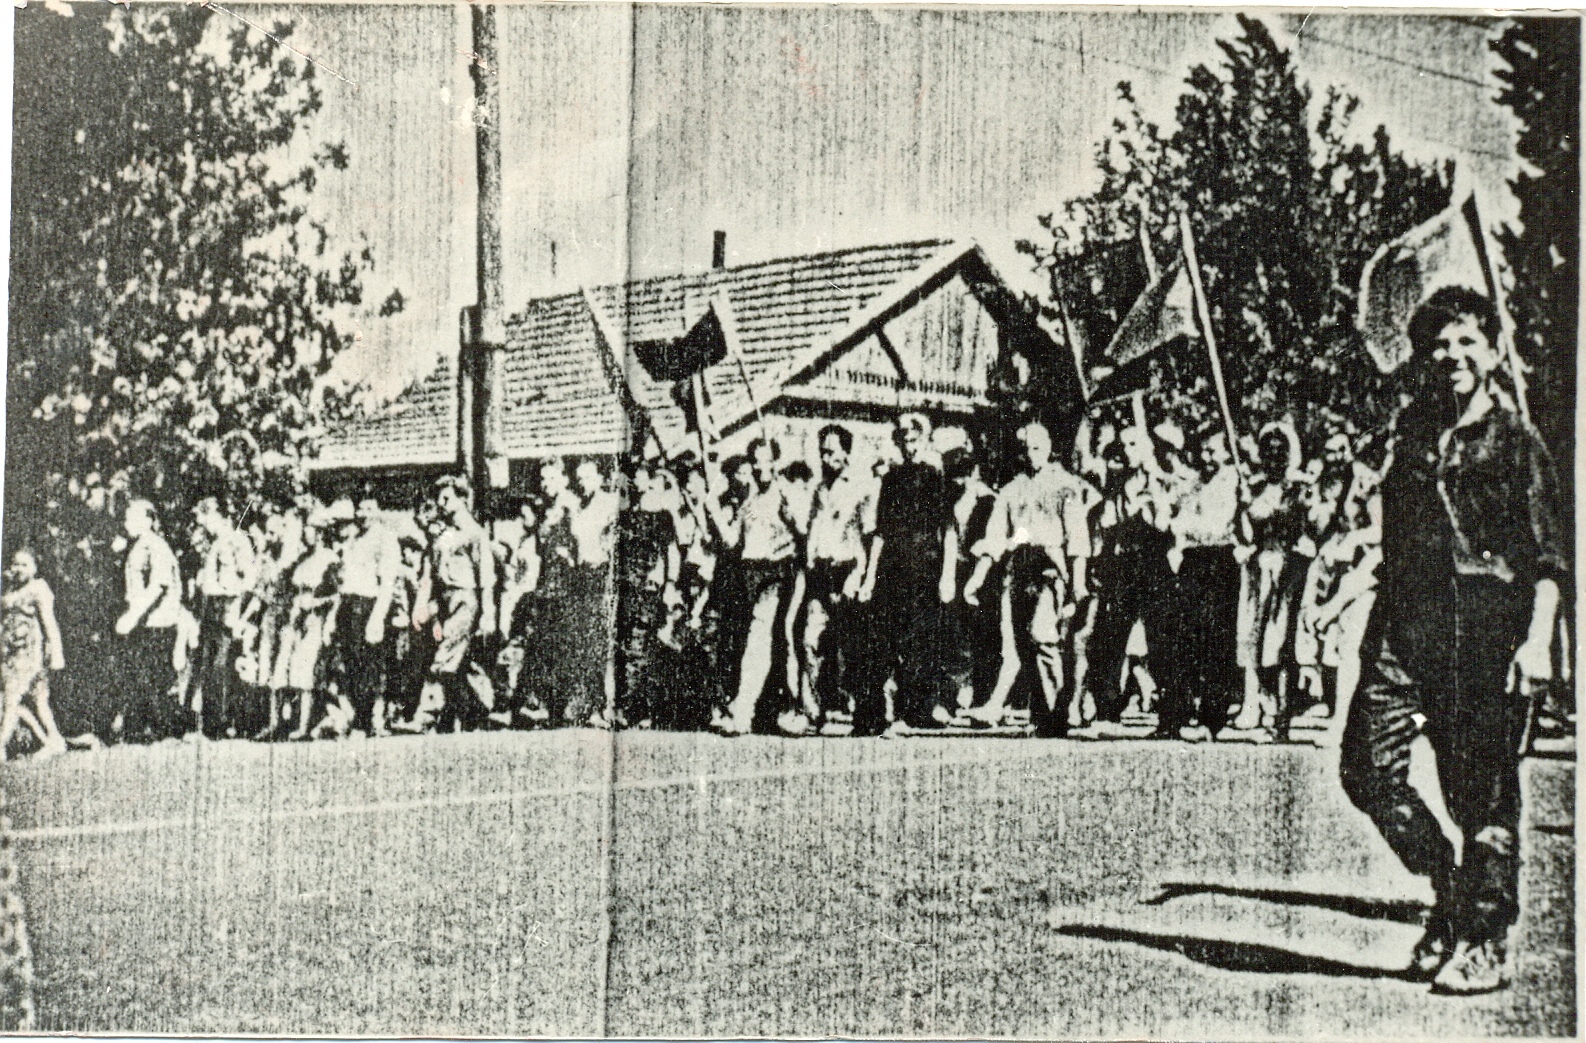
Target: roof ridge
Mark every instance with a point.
(709, 273)
(935, 243)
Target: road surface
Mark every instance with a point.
(759, 886)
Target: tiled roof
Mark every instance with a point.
(560, 383)
(782, 316)
(563, 382)
(418, 429)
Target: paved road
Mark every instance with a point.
(757, 886)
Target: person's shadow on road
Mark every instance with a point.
(1254, 957)
(1233, 956)
(1405, 912)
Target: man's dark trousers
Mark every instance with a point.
(1451, 685)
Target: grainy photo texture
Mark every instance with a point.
(713, 521)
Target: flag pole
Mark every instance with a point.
(722, 305)
(1204, 312)
(1145, 243)
(1478, 232)
(743, 374)
(1073, 347)
(696, 383)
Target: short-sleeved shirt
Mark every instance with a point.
(369, 562)
(768, 525)
(1049, 509)
(228, 567)
(150, 564)
(842, 519)
(459, 555)
(1207, 512)
(594, 526)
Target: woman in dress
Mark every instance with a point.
(267, 613)
(311, 587)
(32, 644)
(1273, 581)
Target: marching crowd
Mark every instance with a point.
(874, 597)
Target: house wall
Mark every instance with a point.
(937, 354)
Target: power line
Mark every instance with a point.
(1425, 70)
(1061, 45)
(1158, 71)
(1064, 45)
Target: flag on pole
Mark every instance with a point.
(701, 347)
(1204, 310)
(1173, 305)
(1401, 275)
(1164, 311)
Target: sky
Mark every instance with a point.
(631, 134)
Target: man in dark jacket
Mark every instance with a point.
(1473, 562)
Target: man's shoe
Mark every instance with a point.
(723, 724)
(1473, 968)
(1432, 951)
(793, 723)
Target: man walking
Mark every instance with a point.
(913, 512)
(371, 562)
(1040, 525)
(767, 531)
(1472, 564)
(229, 571)
(1132, 577)
(1199, 670)
(842, 522)
(465, 581)
(147, 627)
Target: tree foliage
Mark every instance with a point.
(174, 306)
(1541, 85)
(1286, 210)
(168, 285)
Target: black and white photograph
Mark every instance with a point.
(728, 520)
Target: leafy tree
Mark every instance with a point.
(1285, 210)
(174, 308)
(1542, 86)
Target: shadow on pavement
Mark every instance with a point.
(1232, 956)
(1405, 912)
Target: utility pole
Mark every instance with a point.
(484, 323)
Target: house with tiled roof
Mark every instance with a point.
(855, 336)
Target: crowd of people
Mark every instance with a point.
(1207, 584)
(1143, 572)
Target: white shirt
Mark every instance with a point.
(592, 526)
(229, 569)
(842, 519)
(768, 524)
(151, 565)
(369, 562)
(1206, 514)
(1049, 509)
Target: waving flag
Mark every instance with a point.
(1164, 311)
(1448, 250)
